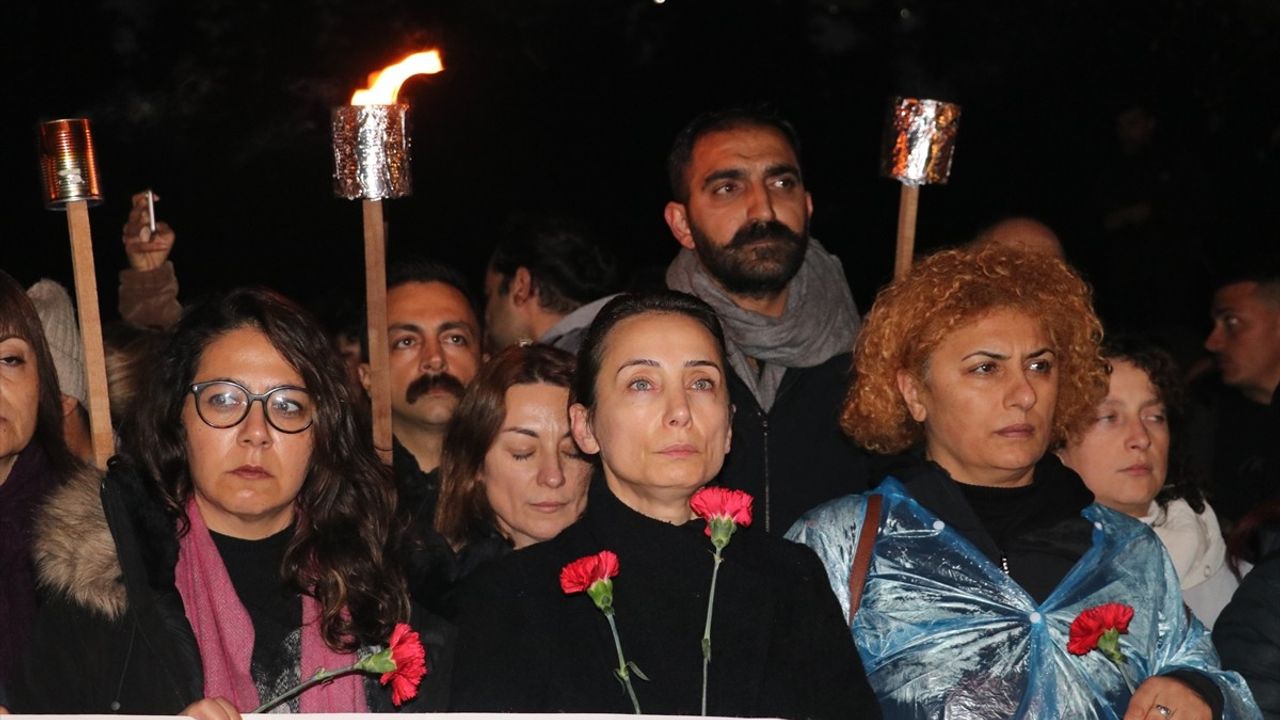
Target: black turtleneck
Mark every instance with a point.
(1035, 531)
(780, 646)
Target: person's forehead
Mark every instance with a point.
(247, 355)
(1128, 378)
(428, 304)
(1242, 297)
(1004, 331)
(671, 339)
(13, 339)
(741, 146)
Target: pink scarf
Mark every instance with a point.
(224, 633)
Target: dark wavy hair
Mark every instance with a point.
(342, 552)
(1181, 480)
(662, 302)
(463, 509)
(18, 318)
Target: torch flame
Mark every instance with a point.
(385, 85)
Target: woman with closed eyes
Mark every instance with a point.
(510, 473)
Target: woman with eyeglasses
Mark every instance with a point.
(240, 541)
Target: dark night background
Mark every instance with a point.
(570, 106)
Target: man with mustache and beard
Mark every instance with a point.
(434, 340)
(741, 213)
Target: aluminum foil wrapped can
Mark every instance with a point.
(371, 152)
(67, 164)
(920, 139)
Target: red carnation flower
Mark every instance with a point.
(717, 502)
(411, 664)
(579, 575)
(1100, 627)
(724, 510)
(402, 663)
(592, 574)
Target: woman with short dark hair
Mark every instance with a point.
(650, 400)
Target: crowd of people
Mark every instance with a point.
(972, 502)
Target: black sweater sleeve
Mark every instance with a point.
(82, 663)
(492, 671)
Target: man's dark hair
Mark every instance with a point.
(718, 121)
(568, 265)
(425, 271)
(1262, 268)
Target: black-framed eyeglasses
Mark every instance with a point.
(224, 404)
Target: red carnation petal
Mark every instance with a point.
(582, 573)
(411, 664)
(713, 502)
(1091, 623)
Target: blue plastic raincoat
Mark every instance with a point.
(944, 633)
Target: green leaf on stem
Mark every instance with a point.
(380, 662)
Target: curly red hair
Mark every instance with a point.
(954, 288)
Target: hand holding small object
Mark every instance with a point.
(146, 249)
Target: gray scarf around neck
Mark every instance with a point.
(819, 322)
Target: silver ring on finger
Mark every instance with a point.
(1164, 711)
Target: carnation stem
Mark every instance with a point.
(706, 632)
(624, 674)
(322, 676)
(1124, 673)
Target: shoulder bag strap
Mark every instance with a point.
(862, 556)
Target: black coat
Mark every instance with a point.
(113, 636)
(794, 457)
(780, 647)
(1247, 634)
(1232, 443)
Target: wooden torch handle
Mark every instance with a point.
(95, 365)
(908, 203)
(375, 280)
